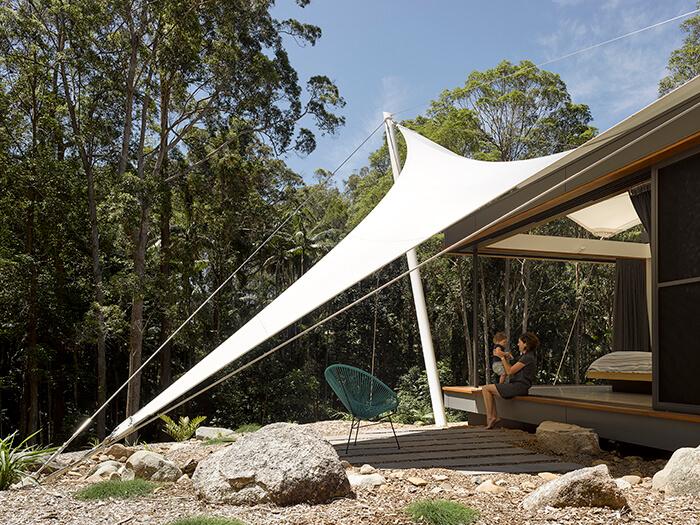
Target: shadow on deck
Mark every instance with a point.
(460, 448)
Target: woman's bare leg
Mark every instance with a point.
(490, 392)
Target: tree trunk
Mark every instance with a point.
(471, 370)
(165, 369)
(507, 299)
(526, 293)
(140, 239)
(485, 324)
(165, 375)
(30, 395)
(86, 162)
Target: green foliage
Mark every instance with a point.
(116, 489)
(183, 429)
(684, 62)
(219, 440)
(17, 461)
(414, 394)
(206, 520)
(250, 427)
(441, 512)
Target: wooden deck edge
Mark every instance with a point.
(468, 391)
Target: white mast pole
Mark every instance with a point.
(426, 337)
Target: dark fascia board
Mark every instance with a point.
(686, 126)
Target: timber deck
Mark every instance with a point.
(461, 448)
(617, 416)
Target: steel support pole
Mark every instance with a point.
(426, 337)
(475, 314)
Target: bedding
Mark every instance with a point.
(621, 366)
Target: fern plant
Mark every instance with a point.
(16, 461)
(183, 429)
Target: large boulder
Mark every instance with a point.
(213, 433)
(281, 463)
(586, 487)
(152, 466)
(681, 475)
(565, 439)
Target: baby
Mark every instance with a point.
(500, 341)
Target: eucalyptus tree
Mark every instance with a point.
(184, 65)
(684, 62)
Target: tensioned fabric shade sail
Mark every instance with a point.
(607, 218)
(436, 189)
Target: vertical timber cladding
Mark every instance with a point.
(678, 278)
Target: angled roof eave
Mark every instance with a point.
(660, 130)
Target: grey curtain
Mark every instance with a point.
(641, 200)
(630, 320)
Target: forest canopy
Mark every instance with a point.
(142, 161)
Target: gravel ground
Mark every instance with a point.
(54, 503)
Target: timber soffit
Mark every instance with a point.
(629, 163)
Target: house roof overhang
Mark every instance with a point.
(614, 161)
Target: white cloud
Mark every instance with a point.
(622, 77)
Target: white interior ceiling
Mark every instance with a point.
(607, 218)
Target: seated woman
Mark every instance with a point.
(522, 374)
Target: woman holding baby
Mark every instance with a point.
(521, 375)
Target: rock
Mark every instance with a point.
(366, 480)
(104, 457)
(213, 433)
(190, 467)
(102, 471)
(565, 439)
(622, 484)
(440, 477)
(547, 476)
(346, 464)
(597, 462)
(152, 466)
(119, 451)
(632, 479)
(281, 463)
(127, 474)
(586, 487)
(489, 487)
(416, 481)
(396, 474)
(184, 481)
(529, 485)
(681, 475)
(367, 469)
(115, 476)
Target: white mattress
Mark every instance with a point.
(626, 362)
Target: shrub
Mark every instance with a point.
(16, 461)
(184, 429)
(116, 489)
(250, 427)
(414, 394)
(441, 512)
(206, 520)
(219, 440)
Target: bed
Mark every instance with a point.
(628, 371)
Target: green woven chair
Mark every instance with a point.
(363, 395)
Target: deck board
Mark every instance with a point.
(464, 449)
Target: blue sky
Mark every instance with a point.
(389, 55)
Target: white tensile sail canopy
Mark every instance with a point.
(436, 189)
(609, 217)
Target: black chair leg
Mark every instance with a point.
(357, 431)
(352, 427)
(394, 431)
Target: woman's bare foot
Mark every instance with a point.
(492, 424)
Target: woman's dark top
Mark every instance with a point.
(521, 381)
